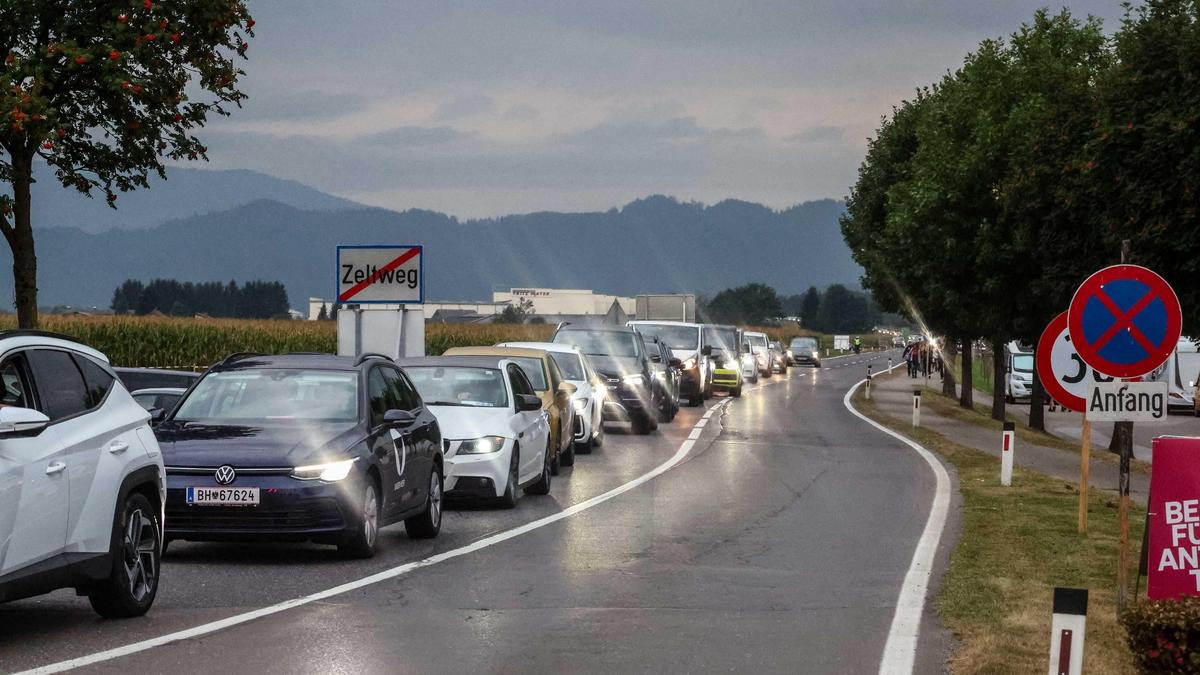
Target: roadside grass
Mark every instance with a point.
(981, 415)
(1016, 544)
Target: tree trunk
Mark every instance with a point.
(1122, 437)
(20, 240)
(948, 369)
(966, 397)
(1037, 408)
(998, 373)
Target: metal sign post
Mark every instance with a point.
(1124, 320)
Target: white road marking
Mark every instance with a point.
(133, 648)
(900, 650)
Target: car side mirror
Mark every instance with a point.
(157, 415)
(399, 418)
(21, 422)
(706, 350)
(528, 403)
(675, 363)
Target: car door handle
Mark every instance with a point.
(117, 447)
(55, 467)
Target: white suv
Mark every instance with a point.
(81, 478)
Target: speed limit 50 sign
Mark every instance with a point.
(380, 275)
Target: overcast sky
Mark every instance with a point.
(487, 108)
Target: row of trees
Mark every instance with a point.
(252, 300)
(989, 196)
(837, 309)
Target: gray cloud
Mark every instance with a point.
(818, 134)
(481, 107)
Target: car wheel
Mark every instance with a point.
(736, 392)
(363, 541)
(585, 447)
(508, 500)
(568, 455)
(695, 401)
(542, 485)
(133, 581)
(428, 523)
(598, 435)
(663, 410)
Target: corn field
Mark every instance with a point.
(196, 343)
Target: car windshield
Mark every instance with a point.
(459, 386)
(758, 342)
(534, 369)
(272, 394)
(675, 337)
(570, 365)
(804, 344)
(1023, 362)
(724, 339)
(601, 342)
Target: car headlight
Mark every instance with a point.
(580, 404)
(689, 364)
(633, 380)
(481, 446)
(790, 354)
(814, 354)
(330, 473)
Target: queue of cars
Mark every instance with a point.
(102, 468)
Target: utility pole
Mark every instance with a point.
(1125, 447)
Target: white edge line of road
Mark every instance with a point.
(900, 650)
(204, 629)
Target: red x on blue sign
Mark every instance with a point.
(1125, 321)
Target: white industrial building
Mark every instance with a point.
(553, 302)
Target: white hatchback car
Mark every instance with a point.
(590, 390)
(81, 478)
(496, 436)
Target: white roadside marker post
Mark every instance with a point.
(889, 363)
(1067, 631)
(1008, 440)
(868, 382)
(916, 407)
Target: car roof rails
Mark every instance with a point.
(237, 356)
(371, 355)
(29, 332)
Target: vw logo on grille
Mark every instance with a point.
(225, 475)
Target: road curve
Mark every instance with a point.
(778, 543)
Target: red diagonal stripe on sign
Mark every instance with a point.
(357, 288)
(1125, 320)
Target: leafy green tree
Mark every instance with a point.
(751, 305)
(127, 296)
(104, 91)
(810, 306)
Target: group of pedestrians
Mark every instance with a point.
(923, 359)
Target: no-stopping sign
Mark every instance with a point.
(379, 274)
(1125, 320)
(1062, 371)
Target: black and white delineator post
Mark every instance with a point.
(1008, 445)
(1066, 631)
(868, 382)
(916, 407)
(889, 363)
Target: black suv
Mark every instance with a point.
(302, 447)
(620, 358)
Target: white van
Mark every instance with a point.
(1180, 372)
(1018, 372)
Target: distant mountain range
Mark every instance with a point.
(250, 226)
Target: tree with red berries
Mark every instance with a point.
(106, 91)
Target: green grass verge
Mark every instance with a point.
(1016, 544)
(981, 415)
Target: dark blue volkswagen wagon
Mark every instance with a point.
(302, 447)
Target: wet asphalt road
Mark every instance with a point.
(779, 544)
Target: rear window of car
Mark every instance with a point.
(570, 365)
(534, 369)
